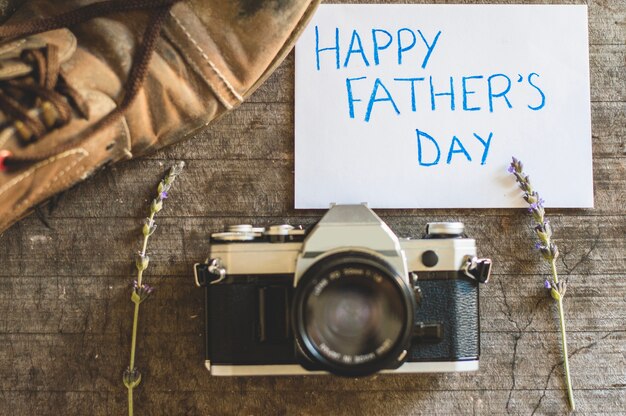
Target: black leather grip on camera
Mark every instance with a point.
(248, 321)
(449, 300)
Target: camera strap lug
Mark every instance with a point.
(477, 269)
(210, 272)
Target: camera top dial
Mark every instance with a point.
(445, 230)
(246, 232)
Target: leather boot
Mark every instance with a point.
(84, 84)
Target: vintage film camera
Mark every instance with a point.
(347, 297)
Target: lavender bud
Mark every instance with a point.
(170, 178)
(143, 292)
(525, 184)
(177, 169)
(548, 228)
(554, 251)
(149, 227)
(546, 284)
(542, 236)
(156, 206)
(545, 251)
(142, 262)
(131, 378)
(172, 174)
(515, 165)
(160, 187)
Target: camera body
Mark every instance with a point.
(347, 297)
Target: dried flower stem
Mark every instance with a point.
(136, 313)
(550, 252)
(568, 381)
(141, 291)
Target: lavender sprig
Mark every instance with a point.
(140, 290)
(550, 252)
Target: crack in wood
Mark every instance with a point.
(555, 366)
(520, 332)
(545, 388)
(565, 251)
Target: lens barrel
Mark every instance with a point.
(353, 314)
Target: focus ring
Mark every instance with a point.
(352, 314)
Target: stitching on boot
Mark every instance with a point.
(43, 163)
(198, 71)
(129, 142)
(206, 58)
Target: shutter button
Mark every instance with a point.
(430, 258)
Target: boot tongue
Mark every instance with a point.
(11, 66)
(63, 39)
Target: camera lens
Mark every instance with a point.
(353, 314)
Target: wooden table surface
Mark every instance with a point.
(65, 312)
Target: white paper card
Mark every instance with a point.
(422, 106)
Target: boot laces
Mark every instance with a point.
(35, 98)
(38, 99)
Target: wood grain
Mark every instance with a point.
(65, 312)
